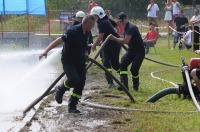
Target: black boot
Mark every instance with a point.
(136, 83)
(73, 101)
(124, 81)
(110, 81)
(60, 90)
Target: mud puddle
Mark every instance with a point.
(54, 117)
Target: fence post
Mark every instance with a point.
(2, 31)
(193, 47)
(48, 20)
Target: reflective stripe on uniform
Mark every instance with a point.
(76, 95)
(109, 69)
(124, 72)
(66, 86)
(135, 76)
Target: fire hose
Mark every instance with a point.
(186, 69)
(92, 61)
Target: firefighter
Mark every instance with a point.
(73, 61)
(79, 17)
(111, 51)
(135, 53)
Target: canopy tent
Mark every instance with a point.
(33, 7)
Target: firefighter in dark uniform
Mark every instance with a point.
(135, 53)
(111, 51)
(73, 60)
(78, 19)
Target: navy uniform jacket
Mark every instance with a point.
(75, 45)
(136, 42)
(106, 27)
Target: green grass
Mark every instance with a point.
(140, 121)
(20, 23)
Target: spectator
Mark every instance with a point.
(150, 38)
(180, 25)
(94, 29)
(196, 21)
(176, 9)
(114, 24)
(121, 29)
(168, 14)
(153, 13)
(108, 14)
(91, 5)
(187, 39)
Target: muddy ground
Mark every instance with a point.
(52, 117)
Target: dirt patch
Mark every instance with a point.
(54, 117)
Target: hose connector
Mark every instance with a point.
(185, 68)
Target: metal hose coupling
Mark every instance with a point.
(185, 68)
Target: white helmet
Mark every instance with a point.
(80, 14)
(97, 10)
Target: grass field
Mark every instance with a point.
(143, 121)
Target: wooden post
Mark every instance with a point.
(28, 28)
(168, 36)
(193, 37)
(30, 23)
(48, 20)
(2, 29)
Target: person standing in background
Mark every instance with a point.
(114, 24)
(121, 29)
(180, 24)
(153, 13)
(108, 14)
(91, 5)
(196, 21)
(176, 9)
(168, 14)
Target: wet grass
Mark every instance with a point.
(141, 121)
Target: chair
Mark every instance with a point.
(153, 46)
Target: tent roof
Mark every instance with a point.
(34, 7)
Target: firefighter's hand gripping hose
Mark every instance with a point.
(102, 45)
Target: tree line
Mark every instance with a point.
(83, 4)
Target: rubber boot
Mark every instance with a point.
(60, 90)
(136, 83)
(73, 101)
(124, 81)
(110, 81)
